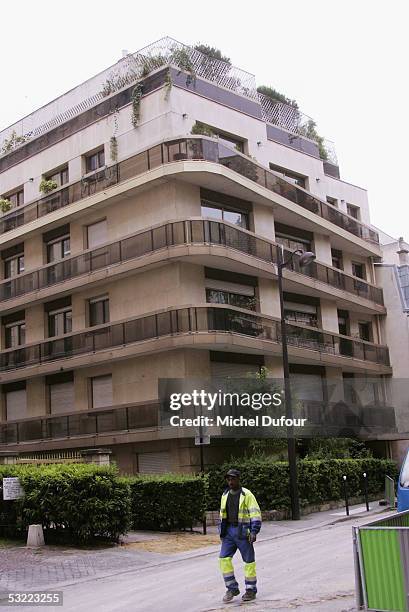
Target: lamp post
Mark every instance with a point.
(306, 257)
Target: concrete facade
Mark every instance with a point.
(173, 277)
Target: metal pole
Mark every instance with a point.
(344, 478)
(291, 445)
(366, 491)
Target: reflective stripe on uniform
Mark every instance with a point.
(250, 571)
(226, 566)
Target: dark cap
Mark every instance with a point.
(234, 473)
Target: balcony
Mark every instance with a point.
(197, 149)
(190, 321)
(80, 424)
(326, 418)
(180, 233)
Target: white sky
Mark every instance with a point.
(346, 63)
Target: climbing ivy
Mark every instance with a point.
(136, 104)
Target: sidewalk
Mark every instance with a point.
(24, 568)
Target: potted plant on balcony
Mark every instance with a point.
(47, 186)
(5, 205)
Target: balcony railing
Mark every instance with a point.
(188, 321)
(179, 150)
(327, 416)
(84, 423)
(174, 234)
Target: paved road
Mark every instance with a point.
(310, 570)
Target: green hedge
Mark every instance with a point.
(76, 502)
(319, 480)
(167, 502)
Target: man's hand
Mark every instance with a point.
(252, 537)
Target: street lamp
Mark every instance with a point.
(306, 257)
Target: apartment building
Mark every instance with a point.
(143, 211)
(392, 273)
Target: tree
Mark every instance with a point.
(276, 96)
(212, 52)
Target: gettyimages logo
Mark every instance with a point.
(252, 407)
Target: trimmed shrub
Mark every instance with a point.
(320, 481)
(169, 501)
(79, 502)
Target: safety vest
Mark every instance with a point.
(249, 517)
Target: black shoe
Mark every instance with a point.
(230, 594)
(249, 596)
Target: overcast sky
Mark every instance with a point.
(346, 63)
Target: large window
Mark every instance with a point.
(59, 176)
(217, 296)
(337, 259)
(94, 161)
(215, 211)
(13, 266)
(99, 310)
(97, 234)
(16, 197)
(354, 211)
(101, 391)
(303, 314)
(358, 269)
(59, 322)
(15, 334)
(58, 249)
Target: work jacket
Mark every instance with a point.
(249, 518)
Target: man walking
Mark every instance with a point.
(240, 522)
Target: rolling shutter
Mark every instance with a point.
(102, 391)
(97, 234)
(154, 463)
(232, 370)
(16, 405)
(62, 397)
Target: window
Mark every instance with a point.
(59, 322)
(216, 211)
(293, 242)
(358, 269)
(97, 234)
(289, 175)
(58, 249)
(332, 201)
(93, 161)
(304, 314)
(16, 198)
(15, 334)
(343, 322)
(365, 331)
(217, 296)
(14, 266)
(353, 211)
(59, 176)
(337, 261)
(99, 311)
(101, 391)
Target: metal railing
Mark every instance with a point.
(187, 321)
(198, 149)
(336, 278)
(128, 70)
(175, 234)
(80, 423)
